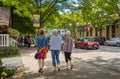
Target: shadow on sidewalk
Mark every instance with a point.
(111, 63)
(81, 70)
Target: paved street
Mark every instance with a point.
(84, 64)
(106, 56)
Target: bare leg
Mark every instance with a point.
(54, 68)
(70, 62)
(58, 66)
(67, 64)
(39, 63)
(71, 66)
(43, 62)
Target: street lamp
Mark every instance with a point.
(70, 24)
(77, 24)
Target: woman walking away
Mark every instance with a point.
(41, 44)
(55, 47)
(67, 49)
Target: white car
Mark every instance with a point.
(113, 42)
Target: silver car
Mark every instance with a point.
(113, 42)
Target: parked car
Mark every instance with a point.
(113, 42)
(100, 39)
(118, 44)
(86, 43)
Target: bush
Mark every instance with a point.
(9, 72)
(5, 72)
(0, 63)
(10, 51)
(1, 54)
(13, 32)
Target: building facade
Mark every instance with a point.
(110, 30)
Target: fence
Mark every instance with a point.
(6, 40)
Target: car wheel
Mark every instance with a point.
(85, 47)
(118, 44)
(97, 48)
(106, 44)
(76, 46)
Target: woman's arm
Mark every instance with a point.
(64, 46)
(37, 42)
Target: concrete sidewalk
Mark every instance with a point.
(82, 69)
(14, 63)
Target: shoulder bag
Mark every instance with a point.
(38, 54)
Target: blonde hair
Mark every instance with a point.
(54, 32)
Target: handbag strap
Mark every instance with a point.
(41, 41)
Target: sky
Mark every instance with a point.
(76, 4)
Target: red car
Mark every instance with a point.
(86, 43)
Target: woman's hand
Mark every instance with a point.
(39, 49)
(62, 52)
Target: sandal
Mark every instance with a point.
(71, 67)
(40, 70)
(58, 69)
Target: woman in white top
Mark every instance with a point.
(55, 47)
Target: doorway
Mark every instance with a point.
(113, 31)
(107, 32)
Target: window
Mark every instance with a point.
(113, 31)
(63, 31)
(80, 33)
(83, 32)
(58, 32)
(87, 33)
(91, 31)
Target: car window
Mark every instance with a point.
(78, 39)
(82, 40)
(113, 39)
(86, 40)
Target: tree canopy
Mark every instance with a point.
(62, 13)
